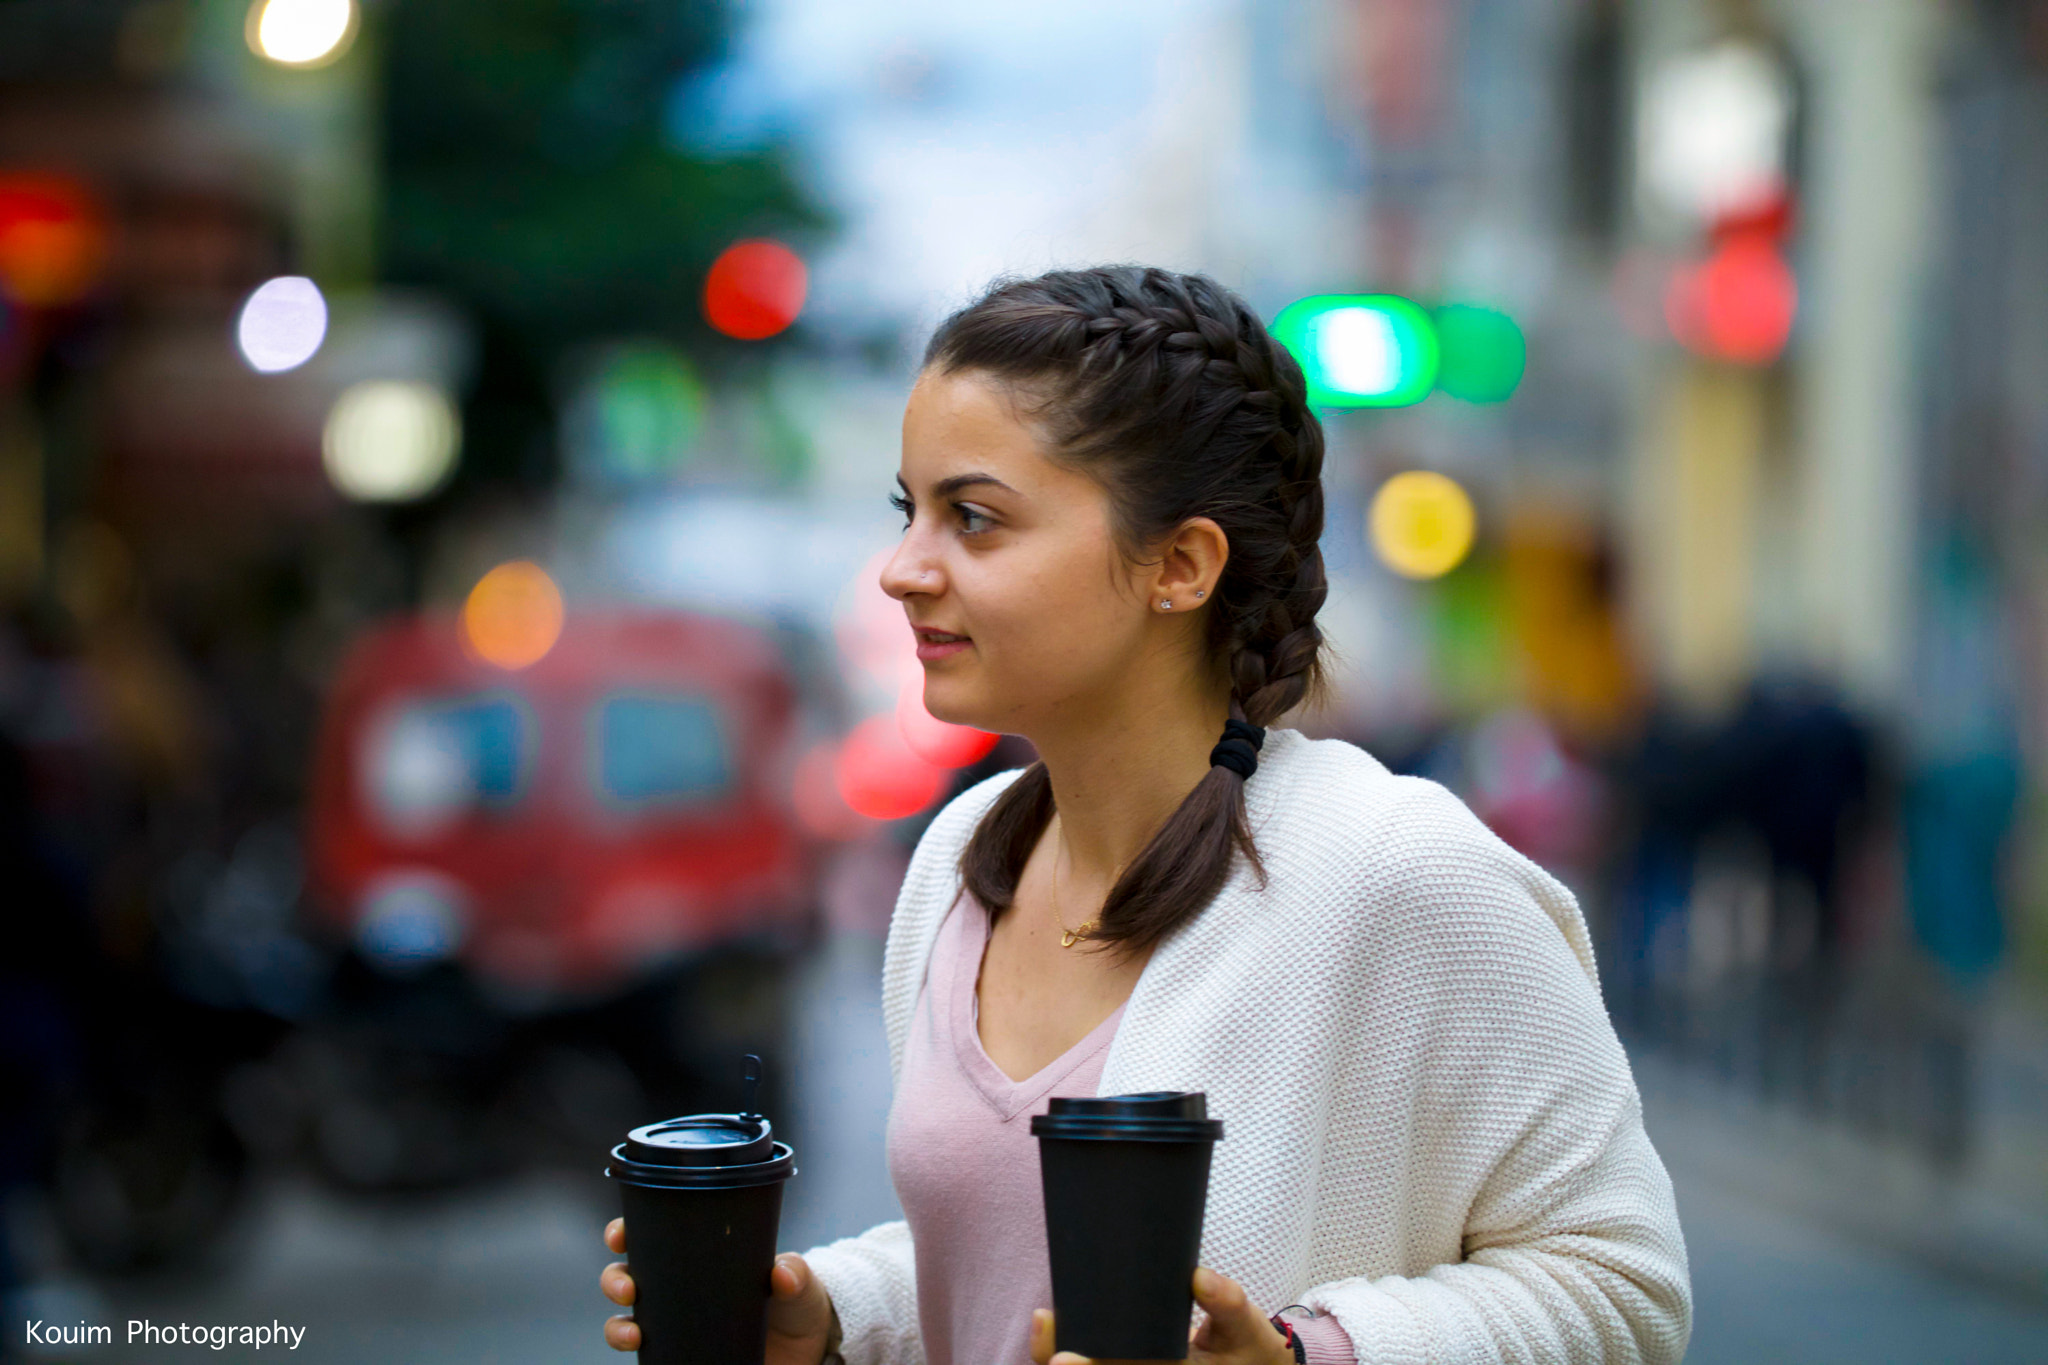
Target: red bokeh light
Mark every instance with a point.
(819, 807)
(1738, 304)
(938, 742)
(881, 776)
(53, 240)
(1772, 216)
(755, 289)
(873, 635)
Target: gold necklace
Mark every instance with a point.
(1068, 937)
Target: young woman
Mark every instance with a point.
(1434, 1149)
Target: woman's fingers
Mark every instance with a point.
(799, 1307)
(1234, 1328)
(621, 1333)
(1042, 1352)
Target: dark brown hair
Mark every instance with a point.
(1170, 393)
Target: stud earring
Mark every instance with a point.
(1198, 594)
(1166, 606)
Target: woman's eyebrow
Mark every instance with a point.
(957, 482)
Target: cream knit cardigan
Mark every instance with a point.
(1431, 1130)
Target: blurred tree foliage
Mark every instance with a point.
(528, 172)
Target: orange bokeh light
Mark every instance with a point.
(939, 743)
(513, 616)
(881, 776)
(755, 289)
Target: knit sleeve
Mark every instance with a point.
(872, 1279)
(1525, 1125)
(1588, 1280)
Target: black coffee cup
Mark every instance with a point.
(703, 1203)
(1126, 1180)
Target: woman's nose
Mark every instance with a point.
(903, 574)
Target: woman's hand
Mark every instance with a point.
(1234, 1333)
(799, 1309)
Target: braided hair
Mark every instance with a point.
(1169, 391)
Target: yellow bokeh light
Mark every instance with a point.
(301, 32)
(513, 616)
(390, 440)
(1421, 524)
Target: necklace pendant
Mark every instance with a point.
(1069, 937)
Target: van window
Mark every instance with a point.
(430, 760)
(655, 748)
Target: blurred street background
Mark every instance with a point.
(448, 715)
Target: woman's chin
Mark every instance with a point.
(952, 710)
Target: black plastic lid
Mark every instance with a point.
(706, 1150)
(703, 1150)
(703, 1140)
(1151, 1116)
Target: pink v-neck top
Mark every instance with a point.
(966, 1165)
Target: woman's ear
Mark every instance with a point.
(1192, 564)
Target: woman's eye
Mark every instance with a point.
(973, 521)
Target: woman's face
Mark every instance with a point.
(1013, 552)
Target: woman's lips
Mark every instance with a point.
(929, 649)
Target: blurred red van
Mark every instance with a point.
(560, 831)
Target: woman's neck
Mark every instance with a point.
(1117, 777)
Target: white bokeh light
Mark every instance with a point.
(391, 440)
(1358, 349)
(282, 324)
(301, 32)
(1713, 129)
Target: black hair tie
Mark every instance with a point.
(1238, 750)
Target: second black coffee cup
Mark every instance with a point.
(702, 1195)
(1126, 1180)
